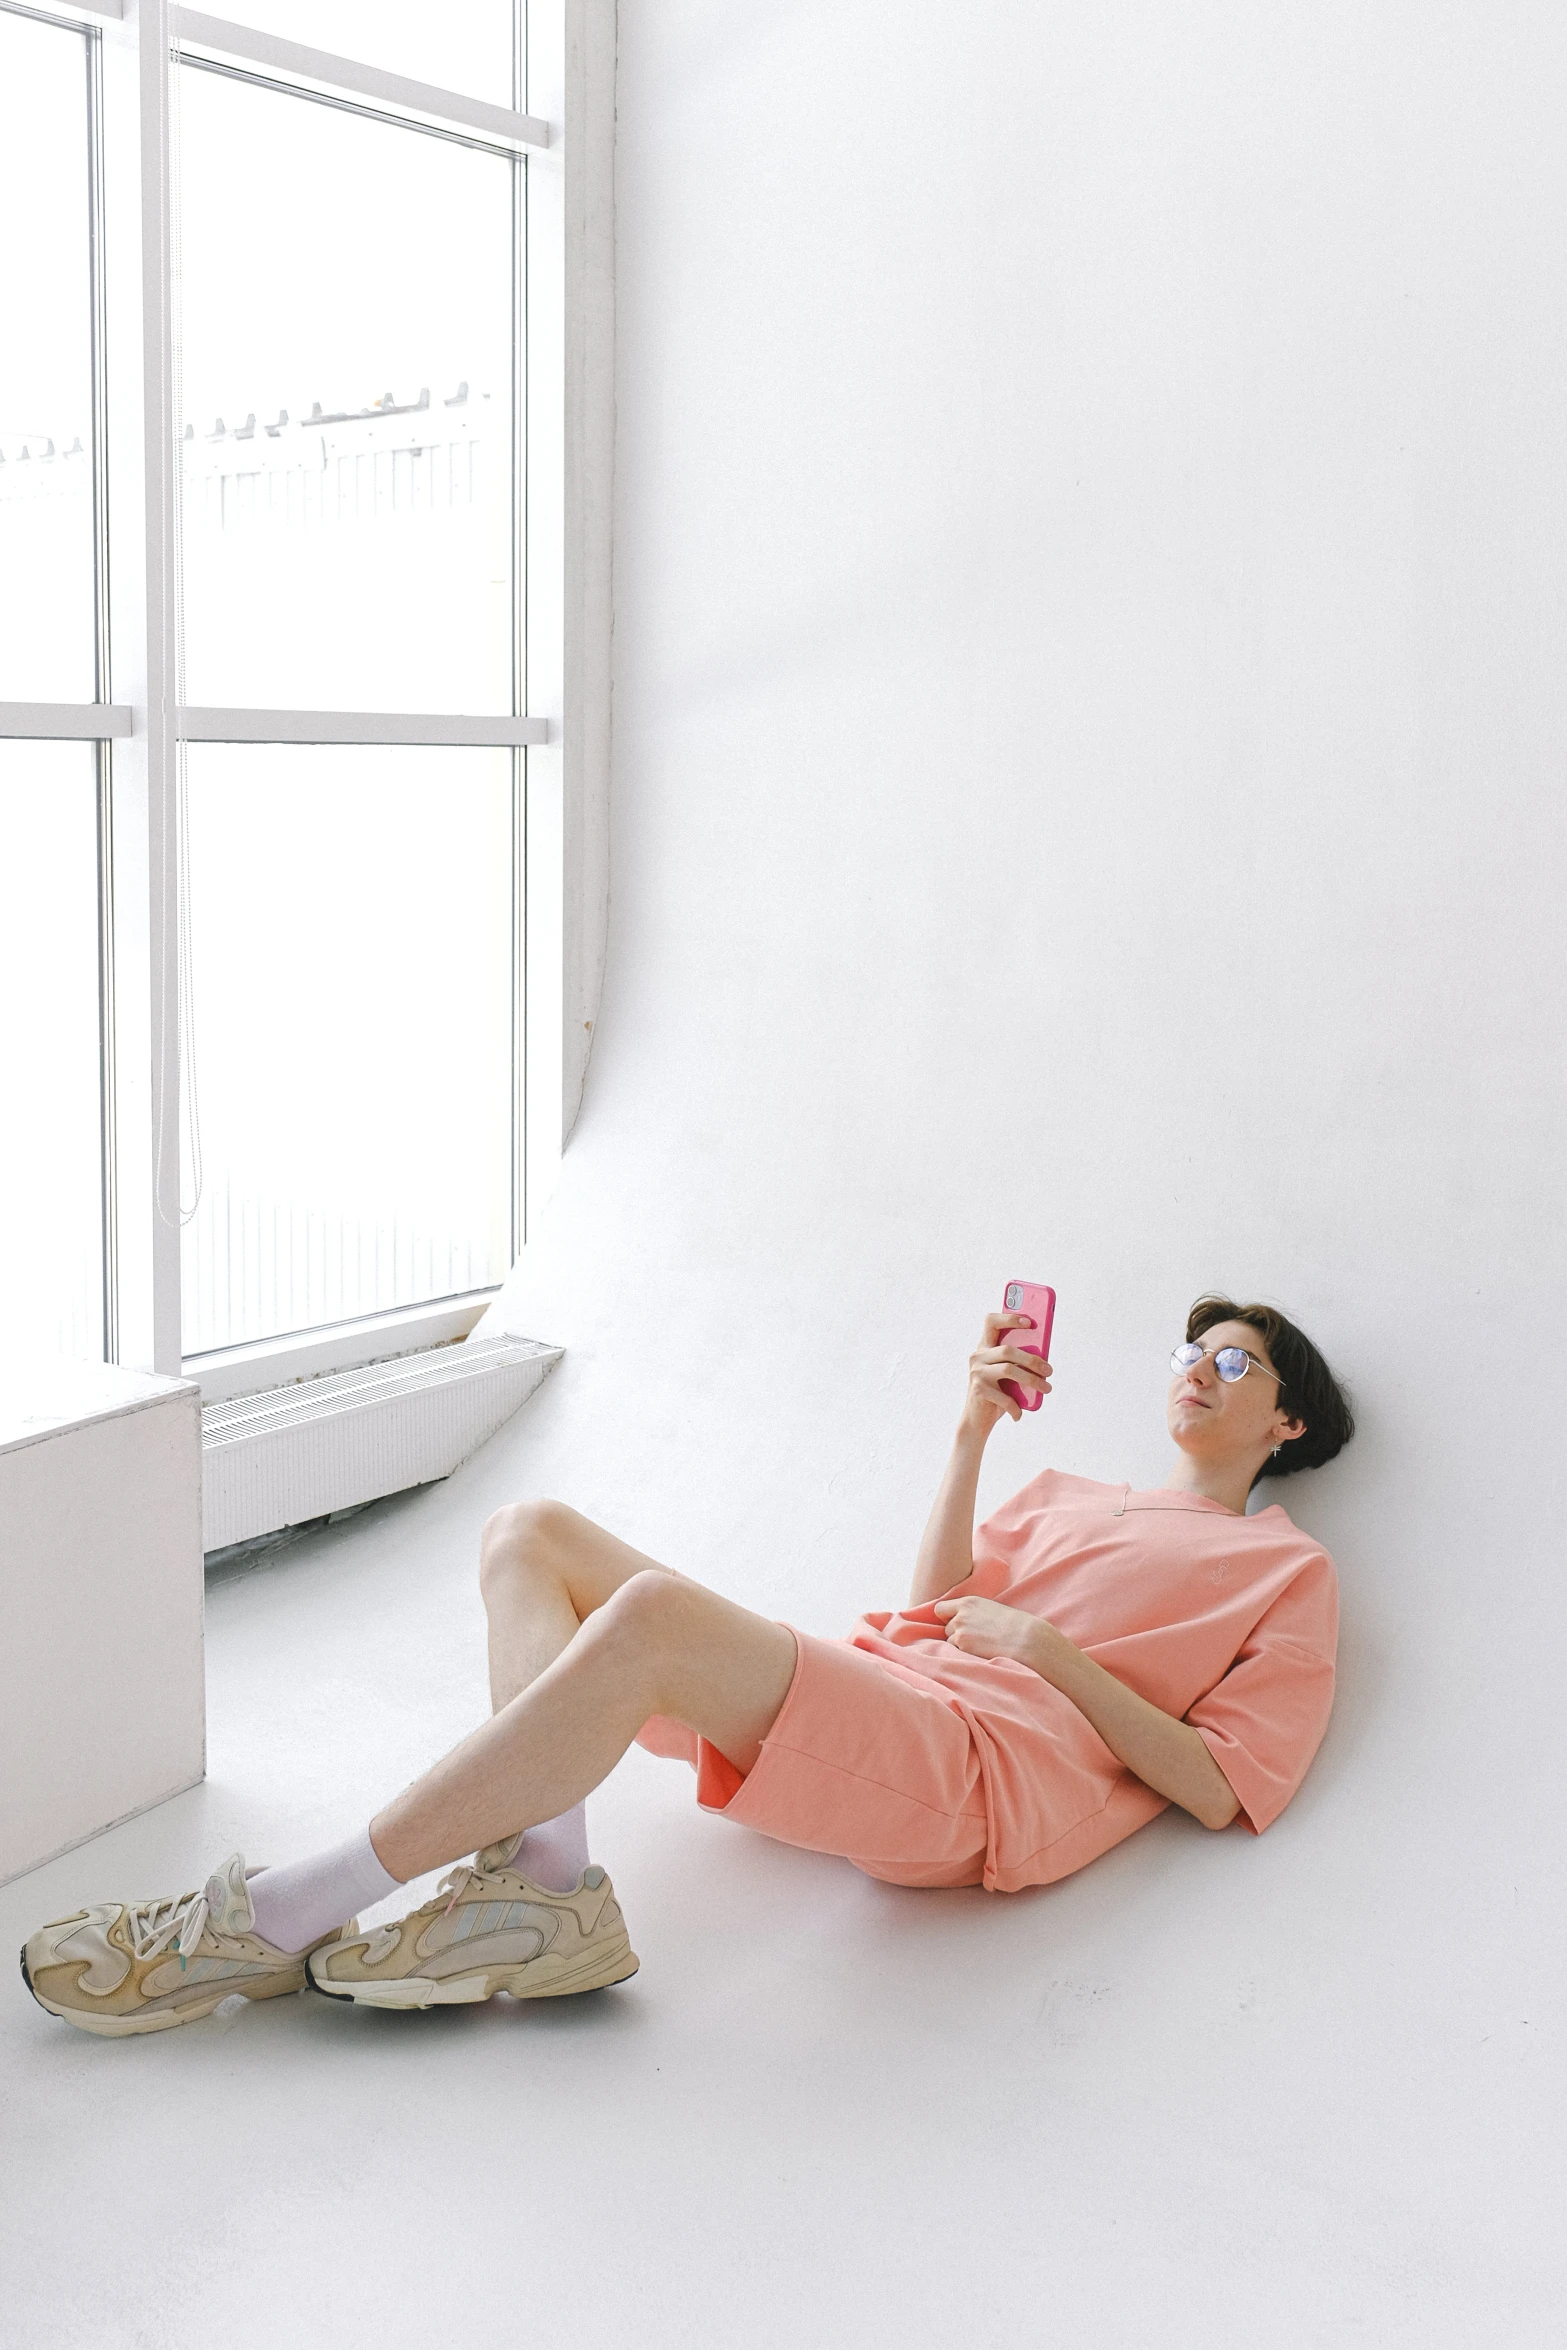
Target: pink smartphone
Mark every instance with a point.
(1031, 1298)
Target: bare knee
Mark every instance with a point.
(651, 1613)
(521, 1537)
(668, 1646)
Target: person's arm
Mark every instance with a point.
(946, 1554)
(1167, 1755)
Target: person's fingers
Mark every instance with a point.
(1012, 1358)
(990, 1377)
(1006, 1364)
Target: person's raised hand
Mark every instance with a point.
(998, 1357)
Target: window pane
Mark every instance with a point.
(351, 932)
(466, 48)
(51, 1199)
(46, 510)
(347, 312)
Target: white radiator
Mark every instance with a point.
(297, 1452)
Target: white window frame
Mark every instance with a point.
(561, 727)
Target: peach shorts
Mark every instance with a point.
(866, 1758)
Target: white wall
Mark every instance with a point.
(1088, 739)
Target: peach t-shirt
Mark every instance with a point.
(1228, 1623)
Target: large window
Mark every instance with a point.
(264, 588)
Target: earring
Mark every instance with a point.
(1278, 1448)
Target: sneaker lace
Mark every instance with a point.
(383, 1940)
(457, 1881)
(152, 1926)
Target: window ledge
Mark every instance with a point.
(346, 1346)
(303, 1450)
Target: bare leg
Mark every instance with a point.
(598, 1639)
(543, 1569)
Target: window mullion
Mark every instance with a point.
(454, 730)
(138, 646)
(103, 670)
(71, 722)
(314, 70)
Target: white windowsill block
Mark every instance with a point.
(345, 1346)
(102, 1698)
(292, 1453)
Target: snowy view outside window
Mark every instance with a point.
(47, 646)
(51, 1201)
(346, 298)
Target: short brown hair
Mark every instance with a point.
(1307, 1388)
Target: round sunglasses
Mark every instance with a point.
(1231, 1362)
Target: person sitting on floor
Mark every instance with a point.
(1091, 1655)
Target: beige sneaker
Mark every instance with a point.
(487, 1930)
(144, 1966)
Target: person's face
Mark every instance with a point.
(1220, 1420)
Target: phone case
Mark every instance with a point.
(1028, 1297)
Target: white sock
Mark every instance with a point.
(555, 1853)
(298, 1903)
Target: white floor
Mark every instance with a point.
(1215, 2091)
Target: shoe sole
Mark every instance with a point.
(163, 2019)
(616, 1963)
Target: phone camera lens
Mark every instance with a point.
(1014, 1297)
